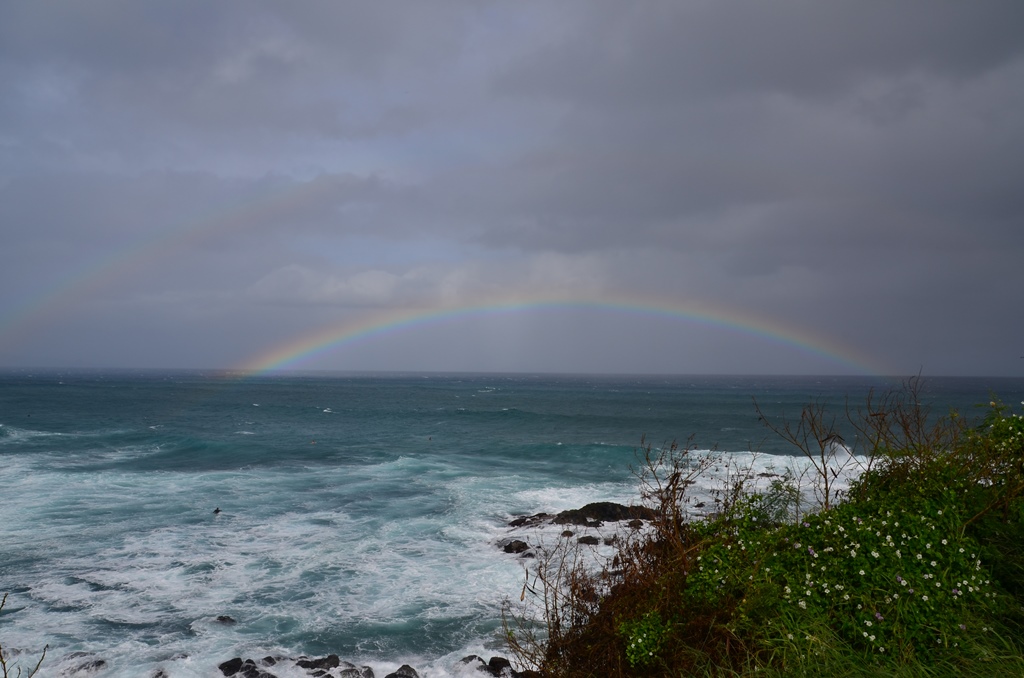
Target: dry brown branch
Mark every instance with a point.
(3, 657)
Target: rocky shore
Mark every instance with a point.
(575, 521)
(591, 516)
(332, 666)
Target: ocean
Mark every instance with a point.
(358, 514)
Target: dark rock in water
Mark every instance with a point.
(568, 533)
(594, 514)
(611, 541)
(246, 669)
(83, 667)
(160, 673)
(497, 665)
(404, 671)
(589, 540)
(361, 672)
(231, 666)
(329, 662)
(535, 519)
(316, 667)
(225, 619)
(513, 545)
(635, 524)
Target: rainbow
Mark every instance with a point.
(281, 200)
(299, 352)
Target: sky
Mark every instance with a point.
(689, 186)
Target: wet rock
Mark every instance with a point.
(635, 524)
(589, 540)
(225, 619)
(329, 662)
(568, 533)
(353, 672)
(316, 667)
(499, 665)
(404, 671)
(595, 514)
(514, 545)
(529, 521)
(245, 669)
(87, 665)
(231, 666)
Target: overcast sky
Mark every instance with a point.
(198, 184)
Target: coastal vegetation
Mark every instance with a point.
(915, 567)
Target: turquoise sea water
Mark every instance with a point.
(359, 514)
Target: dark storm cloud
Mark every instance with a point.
(638, 55)
(708, 107)
(836, 166)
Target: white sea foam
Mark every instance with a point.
(385, 562)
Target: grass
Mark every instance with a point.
(916, 570)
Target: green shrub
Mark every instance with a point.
(917, 570)
(644, 639)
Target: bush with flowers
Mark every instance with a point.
(917, 570)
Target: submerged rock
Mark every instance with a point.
(87, 665)
(529, 521)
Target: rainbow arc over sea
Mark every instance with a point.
(302, 352)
